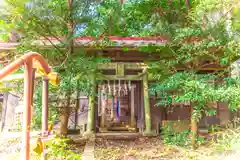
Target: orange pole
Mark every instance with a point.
(26, 59)
(45, 106)
(27, 110)
(19, 62)
(32, 90)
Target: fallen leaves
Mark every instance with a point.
(149, 149)
(141, 149)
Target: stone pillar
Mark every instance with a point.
(146, 104)
(91, 104)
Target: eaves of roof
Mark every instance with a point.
(113, 41)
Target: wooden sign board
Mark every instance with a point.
(10, 103)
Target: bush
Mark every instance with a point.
(175, 138)
(227, 140)
(178, 138)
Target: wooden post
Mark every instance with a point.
(146, 103)
(32, 90)
(103, 106)
(194, 128)
(99, 100)
(27, 59)
(4, 110)
(45, 105)
(133, 123)
(77, 106)
(91, 103)
(27, 110)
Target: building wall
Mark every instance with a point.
(177, 112)
(224, 113)
(10, 104)
(82, 113)
(157, 113)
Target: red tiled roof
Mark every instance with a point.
(88, 41)
(152, 38)
(7, 45)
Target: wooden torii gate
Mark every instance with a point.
(32, 62)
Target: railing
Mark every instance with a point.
(27, 60)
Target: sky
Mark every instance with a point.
(1, 2)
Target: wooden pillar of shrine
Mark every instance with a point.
(147, 110)
(132, 120)
(91, 104)
(103, 108)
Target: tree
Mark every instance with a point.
(53, 20)
(201, 39)
(200, 31)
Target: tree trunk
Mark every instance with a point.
(194, 128)
(64, 119)
(64, 123)
(65, 112)
(77, 106)
(188, 4)
(70, 47)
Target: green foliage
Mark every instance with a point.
(3, 88)
(227, 140)
(197, 89)
(178, 138)
(50, 20)
(136, 18)
(52, 108)
(60, 149)
(172, 138)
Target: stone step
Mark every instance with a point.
(88, 153)
(118, 136)
(117, 128)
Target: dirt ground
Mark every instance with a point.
(10, 148)
(152, 149)
(140, 149)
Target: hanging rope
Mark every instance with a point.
(109, 88)
(129, 85)
(104, 100)
(117, 110)
(112, 113)
(114, 89)
(126, 88)
(118, 102)
(119, 91)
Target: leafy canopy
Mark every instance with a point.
(200, 33)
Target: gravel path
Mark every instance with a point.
(10, 148)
